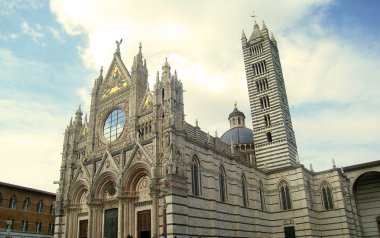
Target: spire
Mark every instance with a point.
(273, 39)
(256, 33)
(139, 56)
(166, 69)
(243, 37)
(264, 28)
(78, 115)
(101, 71)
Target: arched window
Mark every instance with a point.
(24, 226)
(269, 137)
(262, 196)
(40, 206)
(222, 185)
(163, 95)
(38, 227)
(26, 204)
(327, 196)
(52, 209)
(286, 203)
(244, 191)
(195, 177)
(13, 202)
(1, 199)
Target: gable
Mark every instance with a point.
(146, 104)
(117, 78)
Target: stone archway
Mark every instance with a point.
(137, 200)
(366, 189)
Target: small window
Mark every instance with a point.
(13, 202)
(38, 227)
(26, 204)
(1, 199)
(327, 197)
(40, 206)
(52, 209)
(269, 137)
(24, 226)
(285, 196)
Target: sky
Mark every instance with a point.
(51, 52)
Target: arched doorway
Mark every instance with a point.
(366, 189)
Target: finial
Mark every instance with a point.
(311, 167)
(216, 133)
(235, 104)
(101, 71)
(254, 16)
(118, 45)
(196, 122)
(333, 163)
(140, 48)
(157, 76)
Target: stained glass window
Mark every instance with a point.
(114, 125)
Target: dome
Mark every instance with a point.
(236, 112)
(238, 135)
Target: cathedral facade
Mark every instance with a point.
(135, 167)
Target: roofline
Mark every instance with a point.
(361, 166)
(26, 188)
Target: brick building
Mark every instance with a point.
(26, 210)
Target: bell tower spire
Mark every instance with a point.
(274, 138)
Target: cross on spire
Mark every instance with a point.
(254, 16)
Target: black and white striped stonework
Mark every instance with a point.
(275, 144)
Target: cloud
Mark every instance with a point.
(321, 69)
(31, 137)
(33, 31)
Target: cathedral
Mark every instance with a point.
(136, 168)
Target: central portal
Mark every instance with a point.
(143, 224)
(110, 223)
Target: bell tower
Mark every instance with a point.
(274, 139)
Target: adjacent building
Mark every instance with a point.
(26, 211)
(136, 167)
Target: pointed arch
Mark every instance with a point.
(134, 174)
(244, 191)
(101, 184)
(195, 176)
(222, 185)
(327, 198)
(285, 199)
(78, 191)
(262, 196)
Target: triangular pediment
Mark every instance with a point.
(117, 78)
(146, 105)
